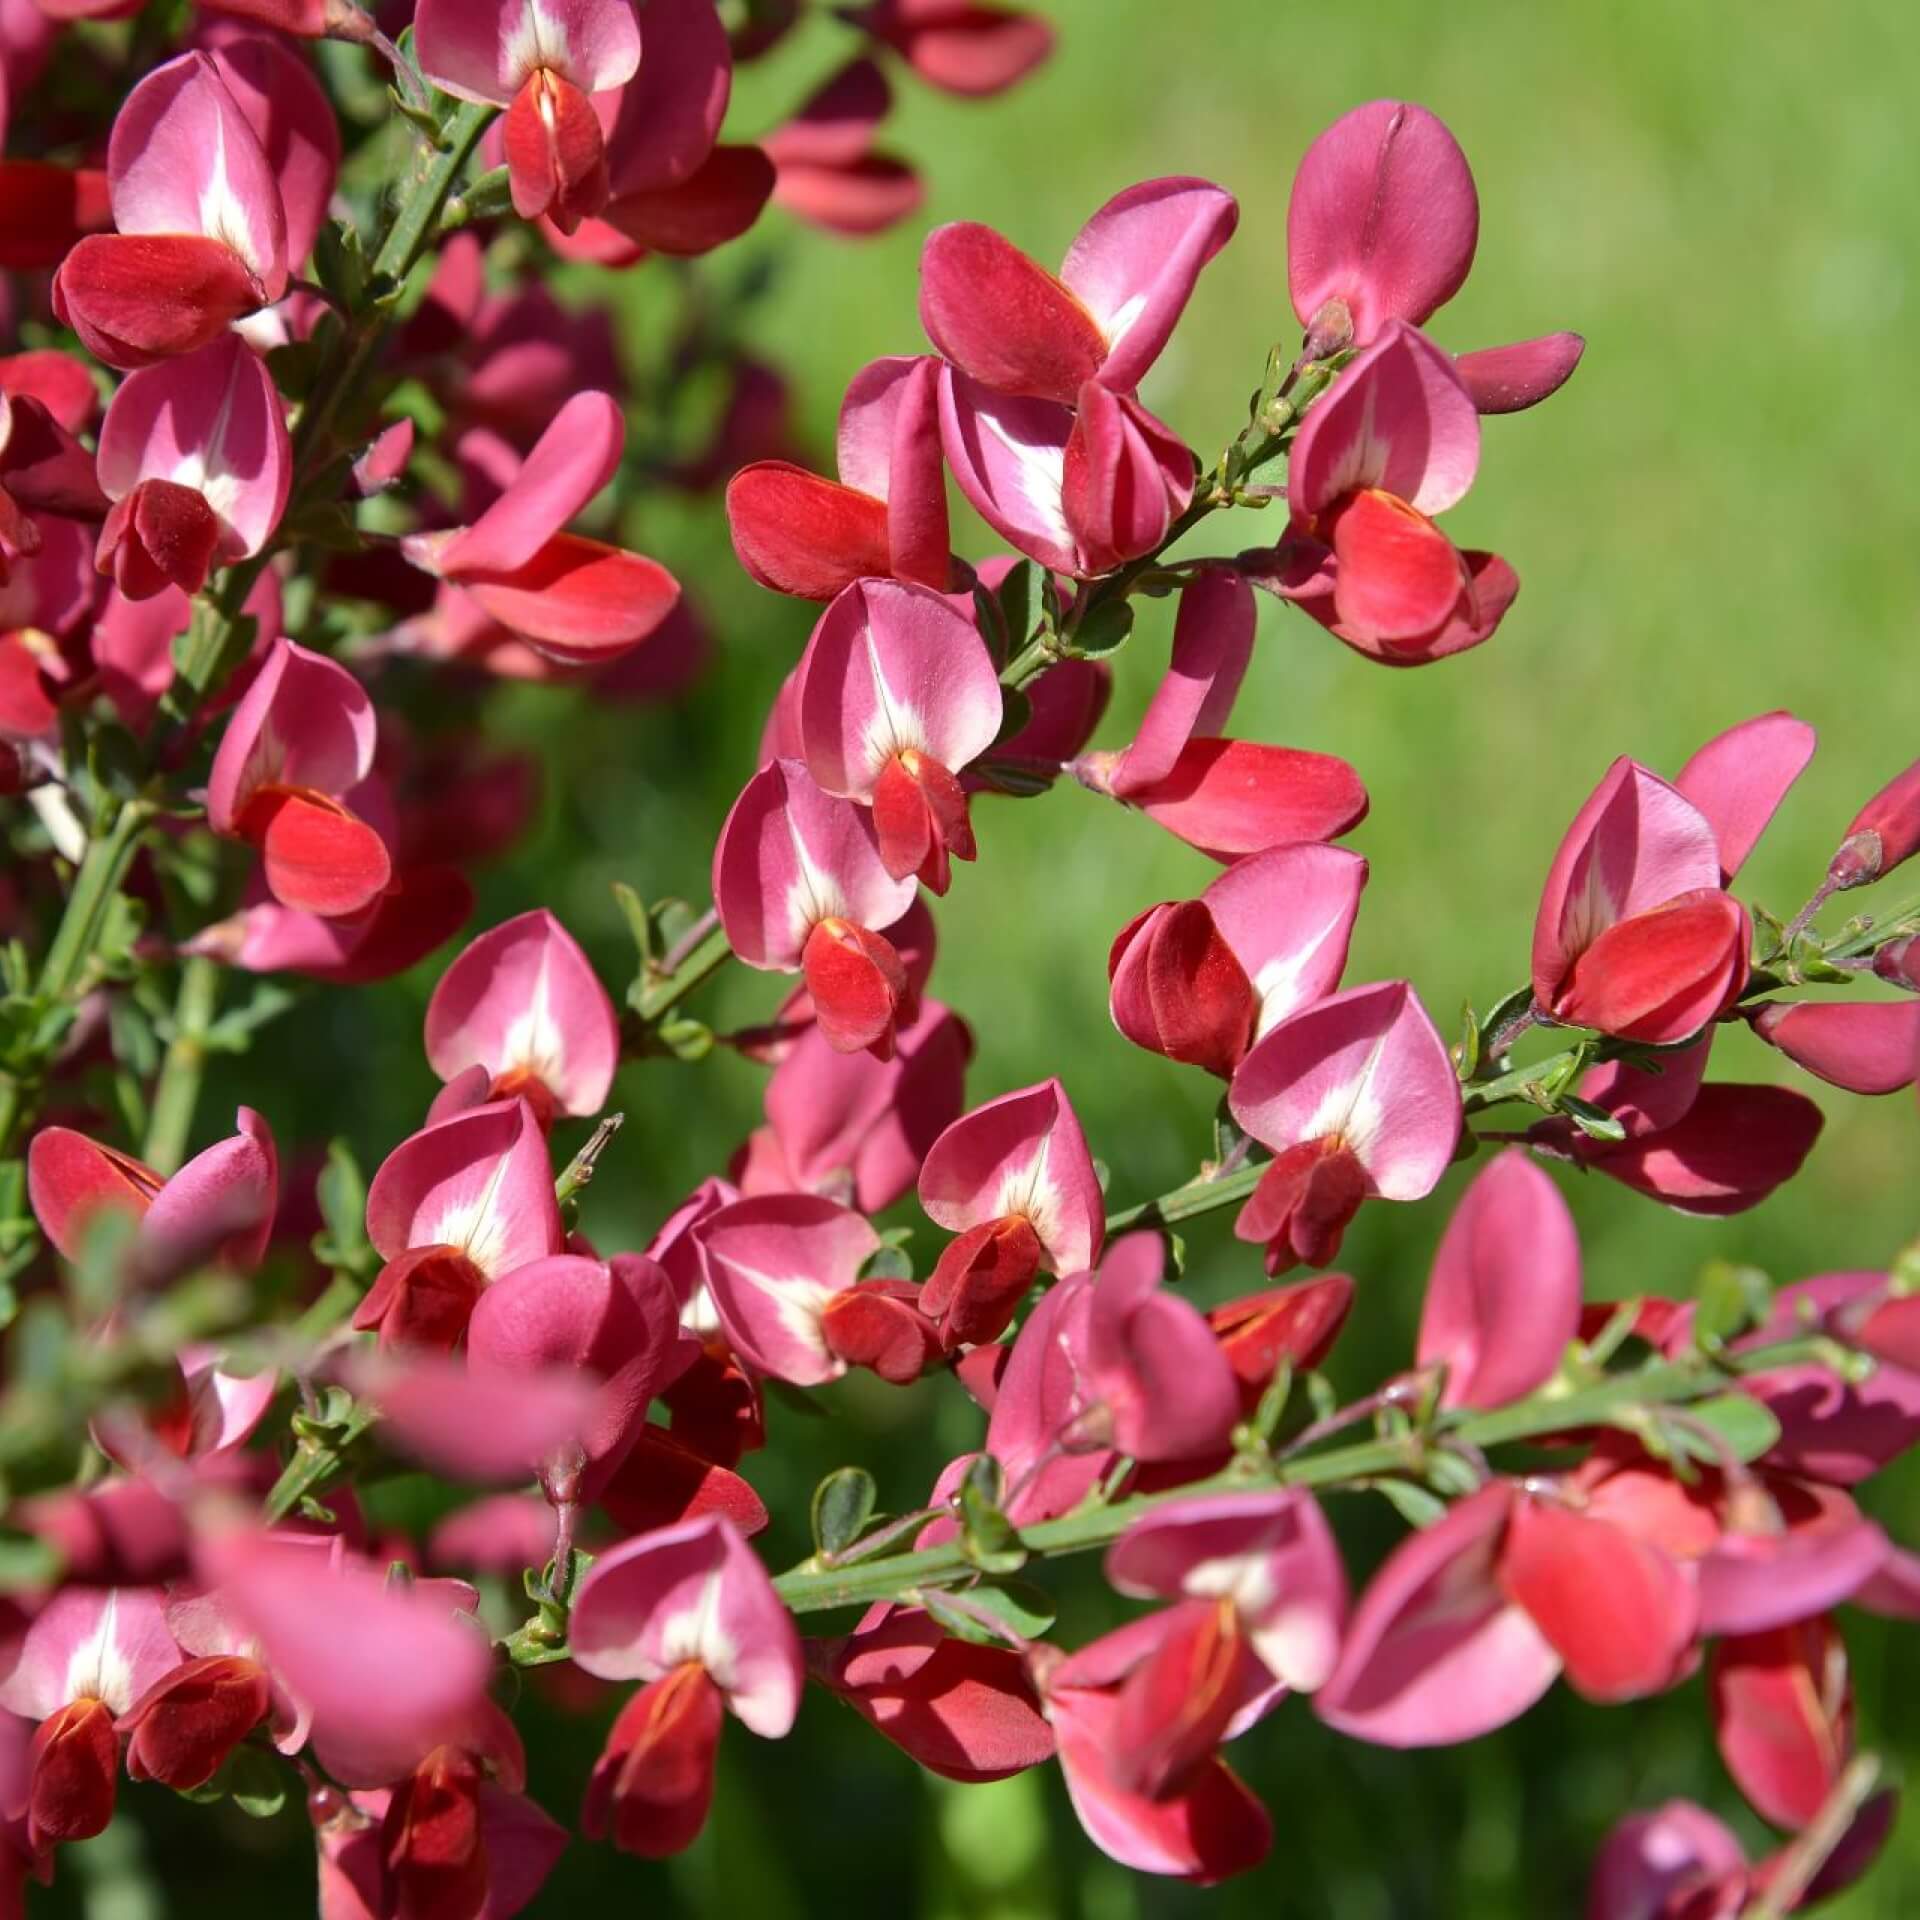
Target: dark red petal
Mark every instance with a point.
(717, 203)
(857, 984)
(183, 1728)
(73, 1760)
(319, 858)
(1660, 976)
(138, 297)
(980, 1280)
(1399, 576)
(653, 1783)
(870, 1325)
(45, 209)
(423, 1298)
(800, 534)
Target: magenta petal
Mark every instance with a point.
(1397, 419)
(222, 1201)
(523, 1002)
(1434, 1654)
(1135, 263)
(481, 1182)
(1381, 224)
(576, 456)
(1367, 1068)
(1021, 1154)
(289, 110)
(1510, 379)
(1009, 459)
(773, 1265)
(1504, 1298)
(1866, 1046)
(1212, 645)
(1648, 1857)
(487, 1426)
(108, 1642)
(889, 447)
(670, 112)
(1288, 915)
(692, 1592)
(1739, 778)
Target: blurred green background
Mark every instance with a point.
(1715, 518)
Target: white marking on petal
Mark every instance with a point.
(98, 1668)
(694, 1633)
(533, 1043)
(814, 896)
(1038, 472)
(477, 1227)
(223, 216)
(538, 40)
(895, 725)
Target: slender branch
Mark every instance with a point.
(1206, 1195)
(707, 958)
(810, 1588)
(178, 1090)
(1801, 1863)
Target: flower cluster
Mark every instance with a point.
(333, 459)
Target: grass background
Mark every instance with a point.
(1714, 519)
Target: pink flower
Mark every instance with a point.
(1636, 935)
(1680, 1863)
(828, 172)
(201, 234)
(1014, 1180)
(689, 1612)
(523, 1004)
(1783, 1716)
(1396, 441)
(541, 63)
(959, 46)
(886, 516)
(1226, 797)
(219, 1206)
(1503, 1301)
(855, 1128)
(897, 693)
(462, 1203)
(1200, 981)
(194, 455)
(1203, 1826)
(802, 887)
(84, 1659)
(964, 1711)
(1381, 226)
(299, 743)
(579, 600)
(784, 1272)
(1355, 1095)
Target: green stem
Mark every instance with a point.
(102, 869)
(807, 1589)
(666, 993)
(178, 1091)
(1207, 1195)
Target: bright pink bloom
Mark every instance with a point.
(1015, 1181)
(1503, 1300)
(1469, 1621)
(1268, 1558)
(460, 1204)
(219, 1206)
(1355, 1095)
(1226, 797)
(1201, 1827)
(417, 1673)
(201, 232)
(784, 1272)
(1154, 1383)
(802, 887)
(1732, 1147)
(828, 172)
(1866, 1046)
(613, 1323)
(1396, 441)
(1009, 325)
(964, 1711)
(689, 1612)
(1680, 1863)
(855, 1128)
(293, 117)
(897, 693)
(1511, 379)
(1381, 225)
(84, 1660)
(541, 63)
(194, 455)
(1885, 832)
(579, 600)
(523, 1003)
(959, 46)
(298, 744)
(1201, 980)
(1783, 1716)
(1739, 778)
(886, 516)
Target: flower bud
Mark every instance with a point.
(1884, 832)
(1898, 963)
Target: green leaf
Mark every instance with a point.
(234, 1030)
(1004, 1613)
(1415, 1505)
(1450, 1475)
(1729, 1300)
(342, 1192)
(686, 1038)
(634, 910)
(1744, 1426)
(843, 1503)
(888, 1263)
(1273, 1403)
(1104, 631)
(987, 1536)
(1466, 1055)
(1022, 607)
(1595, 1122)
